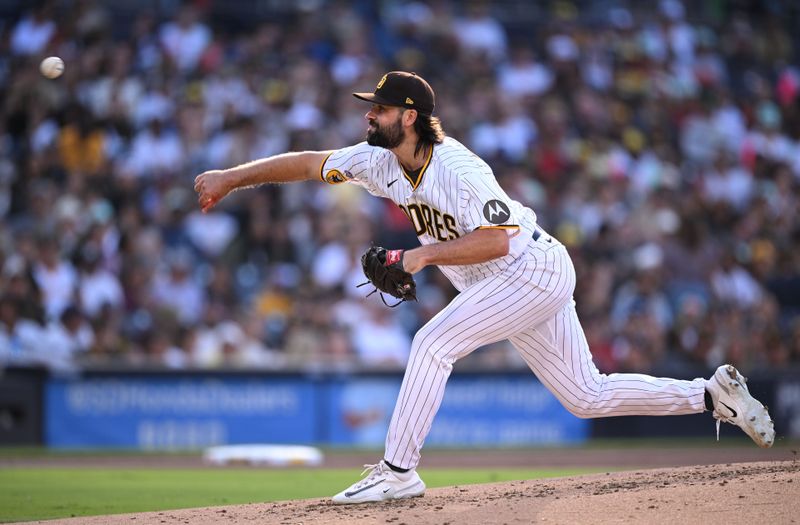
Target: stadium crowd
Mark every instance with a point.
(659, 140)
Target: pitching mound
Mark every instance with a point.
(763, 492)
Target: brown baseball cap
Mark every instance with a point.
(403, 89)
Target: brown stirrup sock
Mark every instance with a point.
(396, 469)
(709, 403)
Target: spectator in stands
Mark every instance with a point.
(34, 31)
(156, 151)
(66, 339)
(643, 295)
(478, 32)
(55, 276)
(175, 288)
(185, 39)
(380, 340)
(98, 288)
(20, 338)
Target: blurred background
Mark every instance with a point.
(659, 140)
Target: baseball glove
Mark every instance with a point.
(384, 269)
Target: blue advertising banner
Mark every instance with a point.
(360, 410)
(476, 411)
(510, 411)
(178, 412)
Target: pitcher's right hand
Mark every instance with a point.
(211, 186)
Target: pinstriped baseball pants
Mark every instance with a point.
(531, 305)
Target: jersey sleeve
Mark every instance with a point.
(360, 164)
(484, 205)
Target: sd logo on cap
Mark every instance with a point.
(403, 89)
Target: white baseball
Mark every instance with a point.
(52, 67)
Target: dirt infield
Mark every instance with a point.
(762, 492)
(728, 485)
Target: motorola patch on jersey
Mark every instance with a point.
(496, 212)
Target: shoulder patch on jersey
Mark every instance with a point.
(335, 177)
(496, 211)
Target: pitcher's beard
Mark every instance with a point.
(388, 138)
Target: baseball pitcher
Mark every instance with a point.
(515, 281)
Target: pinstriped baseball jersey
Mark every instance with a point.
(524, 297)
(453, 194)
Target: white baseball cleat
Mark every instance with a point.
(381, 484)
(733, 404)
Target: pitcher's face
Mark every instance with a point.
(385, 126)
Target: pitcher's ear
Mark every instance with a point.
(410, 116)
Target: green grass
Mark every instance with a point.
(45, 493)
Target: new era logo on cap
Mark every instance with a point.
(403, 89)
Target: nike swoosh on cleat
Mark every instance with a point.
(389, 185)
(349, 494)
(729, 408)
(386, 490)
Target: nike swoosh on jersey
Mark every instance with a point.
(389, 185)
